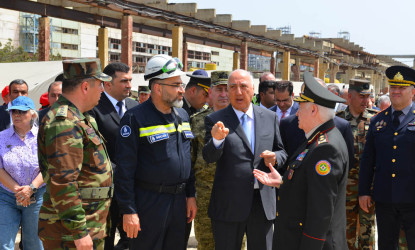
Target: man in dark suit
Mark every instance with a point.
(311, 213)
(17, 88)
(113, 104)
(284, 99)
(242, 137)
(387, 166)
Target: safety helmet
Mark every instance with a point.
(162, 67)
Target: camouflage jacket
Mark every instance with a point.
(204, 172)
(72, 156)
(360, 126)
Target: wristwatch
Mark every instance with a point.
(34, 190)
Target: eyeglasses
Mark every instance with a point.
(19, 112)
(177, 86)
(168, 68)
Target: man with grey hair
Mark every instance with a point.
(311, 201)
(384, 102)
(242, 137)
(267, 76)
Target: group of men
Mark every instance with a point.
(284, 173)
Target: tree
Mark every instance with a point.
(10, 53)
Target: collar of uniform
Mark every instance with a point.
(404, 110)
(63, 101)
(113, 100)
(323, 128)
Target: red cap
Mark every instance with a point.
(44, 101)
(5, 91)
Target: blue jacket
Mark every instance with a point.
(388, 160)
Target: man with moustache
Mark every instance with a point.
(242, 137)
(154, 185)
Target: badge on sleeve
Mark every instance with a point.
(323, 167)
(300, 157)
(125, 131)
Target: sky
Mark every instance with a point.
(379, 26)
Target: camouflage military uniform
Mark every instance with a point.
(365, 236)
(74, 165)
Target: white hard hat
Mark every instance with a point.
(162, 67)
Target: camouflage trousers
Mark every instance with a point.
(69, 245)
(203, 224)
(365, 237)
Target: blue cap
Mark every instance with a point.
(23, 103)
(200, 73)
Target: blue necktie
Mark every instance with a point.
(246, 129)
(120, 104)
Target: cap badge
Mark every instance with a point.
(398, 77)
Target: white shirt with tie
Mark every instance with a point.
(114, 103)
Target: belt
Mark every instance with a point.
(161, 188)
(96, 193)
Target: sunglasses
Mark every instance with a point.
(19, 112)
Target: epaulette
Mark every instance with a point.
(322, 139)
(198, 113)
(62, 112)
(383, 111)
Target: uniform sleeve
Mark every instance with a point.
(64, 157)
(210, 152)
(126, 157)
(323, 173)
(367, 164)
(348, 138)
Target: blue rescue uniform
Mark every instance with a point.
(154, 177)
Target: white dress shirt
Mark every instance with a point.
(287, 113)
(114, 103)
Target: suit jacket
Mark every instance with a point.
(108, 121)
(4, 118)
(293, 111)
(388, 159)
(42, 113)
(292, 136)
(233, 186)
(312, 197)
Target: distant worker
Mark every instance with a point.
(266, 91)
(5, 95)
(54, 91)
(17, 88)
(384, 102)
(265, 76)
(143, 93)
(196, 92)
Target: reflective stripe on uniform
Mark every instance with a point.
(160, 129)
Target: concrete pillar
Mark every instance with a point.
(296, 70)
(333, 72)
(177, 42)
(244, 55)
(322, 69)
(103, 46)
(235, 60)
(127, 40)
(272, 65)
(316, 67)
(44, 39)
(286, 61)
(350, 74)
(184, 61)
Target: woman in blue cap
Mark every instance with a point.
(21, 183)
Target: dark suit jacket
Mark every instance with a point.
(233, 187)
(108, 121)
(42, 113)
(4, 118)
(293, 111)
(292, 136)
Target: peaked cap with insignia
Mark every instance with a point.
(201, 78)
(400, 76)
(314, 92)
(360, 85)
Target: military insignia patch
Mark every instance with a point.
(323, 167)
(125, 131)
(290, 174)
(301, 156)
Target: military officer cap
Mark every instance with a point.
(84, 68)
(400, 76)
(360, 85)
(220, 77)
(144, 89)
(314, 92)
(201, 78)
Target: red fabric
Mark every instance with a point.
(44, 101)
(5, 91)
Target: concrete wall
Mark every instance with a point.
(9, 26)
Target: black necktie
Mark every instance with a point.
(120, 104)
(395, 120)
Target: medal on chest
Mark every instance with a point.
(380, 125)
